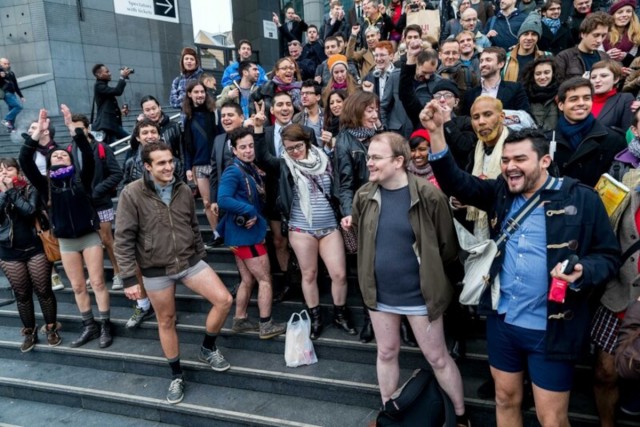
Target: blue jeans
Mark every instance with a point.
(14, 104)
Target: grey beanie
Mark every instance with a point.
(532, 23)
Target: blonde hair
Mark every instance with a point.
(632, 30)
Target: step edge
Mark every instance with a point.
(148, 402)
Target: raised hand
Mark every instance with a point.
(66, 113)
(259, 118)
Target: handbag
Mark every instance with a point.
(419, 402)
(49, 242)
(349, 237)
(298, 348)
(478, 265)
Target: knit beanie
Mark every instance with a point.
(446, 84)
(620, 4)
(532, 23)
(188, 51)
(422, 133)
(337, 59)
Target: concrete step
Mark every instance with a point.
(12, 411)
(143, 395)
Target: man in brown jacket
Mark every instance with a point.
(157, 231)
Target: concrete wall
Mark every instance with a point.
(247, 24)
(48, 37)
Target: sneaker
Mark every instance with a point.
(30, 339)
(53, 338)
(56, 282)
(88, 282)
(117, 283)
(139, 315)
(215, 359)
(176, 391)
(214, 243)
(243, 325)
(271, 329)
(6, 123)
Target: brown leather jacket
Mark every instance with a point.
(161, 240)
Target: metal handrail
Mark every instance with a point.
(128, 138)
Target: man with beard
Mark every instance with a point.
(526, 51)
(512, 94)
(585, 148)
(578, 60)
(528, 330)
(452, 69)
(468, 53)
(240, 91)
(282, 110)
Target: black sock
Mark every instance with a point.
(210, 341)
(265, 319)
(462, 419)
(176, 369)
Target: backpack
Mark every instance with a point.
(419, 402)
(102, 155)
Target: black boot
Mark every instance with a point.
(366, 334)
(342, 319)
(105, 334)
(406, 333)
(90, 331)
(316, 322)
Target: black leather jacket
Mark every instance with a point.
(350, 168)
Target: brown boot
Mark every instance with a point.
(30, 339)
(53, 338)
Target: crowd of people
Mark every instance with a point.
(371, 134)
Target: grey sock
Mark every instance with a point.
(87, 315)
(105, 315)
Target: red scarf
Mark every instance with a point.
(599, 99)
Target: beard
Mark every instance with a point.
(491, 137)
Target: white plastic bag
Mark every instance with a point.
(298, 348)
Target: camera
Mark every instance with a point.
(131, 70)
(414, 7)
(241, 220)
(558, 290)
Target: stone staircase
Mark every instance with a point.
(126, 383)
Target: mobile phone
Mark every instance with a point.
(558, 289)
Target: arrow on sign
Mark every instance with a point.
(167, 4)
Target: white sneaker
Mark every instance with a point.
(56, 282)
(117, 283)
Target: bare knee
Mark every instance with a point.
(309, 274)
(548, 418)
(167, 321)
(225, 302)
(508, 398)
(605, 372)
(438, 360)
(388, 354)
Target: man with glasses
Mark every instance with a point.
(452, 68)
(556, 35)
(377, 78)
(312, 116)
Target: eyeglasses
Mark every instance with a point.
(439, 96)
(298, 147)
(289, 68)
(375, 158)
(312, 93)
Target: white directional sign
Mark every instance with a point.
(160, 10)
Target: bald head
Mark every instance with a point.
(469, 19)
(4, 63)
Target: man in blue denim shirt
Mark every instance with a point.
(528, 330)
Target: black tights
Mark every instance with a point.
(26, 278)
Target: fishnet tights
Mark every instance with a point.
(26, 278)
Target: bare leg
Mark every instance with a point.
(72, 263)
(207, 284)
(203, 187)
(243, 294)
(605, 388)
(430, 339)
(94, 259)
(164, 304)
(552, 407)
(387, 329)
(332, 253)
(106, 235)
(508, 397)
(306, 248)
(259, 268)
